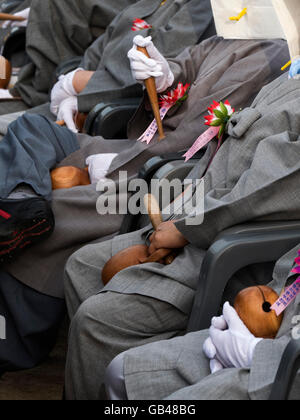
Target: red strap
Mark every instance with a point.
(4, 214)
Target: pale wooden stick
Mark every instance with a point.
(7, 16)
(152, 93)
(153, 210)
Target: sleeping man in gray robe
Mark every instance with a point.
(224, 363)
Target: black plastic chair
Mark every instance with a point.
(233, 249)
(110, 119)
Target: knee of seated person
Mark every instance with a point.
(83, 319)
(115, 380)
(98, 309)
(71, 268)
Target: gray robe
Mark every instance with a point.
(189, 22)
(177, 369)
(57, 31)
(177, 24)
(254, 176)
(216, 69)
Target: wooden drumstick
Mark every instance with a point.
(7, 16)
(153, 210)
(152, 93)
(155, 215)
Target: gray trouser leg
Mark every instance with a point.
(115, 380)
(107, 325)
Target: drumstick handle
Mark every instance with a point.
(153, 210)
(152, 93)
(7, 16)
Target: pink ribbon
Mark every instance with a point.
(201, 142)
(287, 298)
(148, 135)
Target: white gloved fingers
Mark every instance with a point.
(140, 41)
(6, 24)
(219, 323)
(215, 366)
(62, 90)
(234, 322)
(23, 13)
(4, 94)
(217, 336)
(209, 349)
(14, 24)
(68, 117)
(138, 66)
(141, 76)
(155, 54)
(67, 111)
(138, 56)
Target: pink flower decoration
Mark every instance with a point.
(140, 24)
(178, 94)
(211, 118)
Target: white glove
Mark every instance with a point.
(143, 67)
(62, 90)
(230, 343)
(4, 94)
(210, 349)
(67, 111)
(16, 24)
(99, 166)
(295, 69)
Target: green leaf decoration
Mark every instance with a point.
(216, 123)
(222, 130)
(224, 109)
(219, 114)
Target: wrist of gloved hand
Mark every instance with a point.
(62, 90)
(67, 111)
(295, 68)
(156, 66)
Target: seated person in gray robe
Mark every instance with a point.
(253, 177)
(173, 26)
(215, 69)
(187, 368)
(58, 31)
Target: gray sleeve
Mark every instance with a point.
(265, 191)
(187, 64)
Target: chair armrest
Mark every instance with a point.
(110, 119)
(232, 250)
(289, 366)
